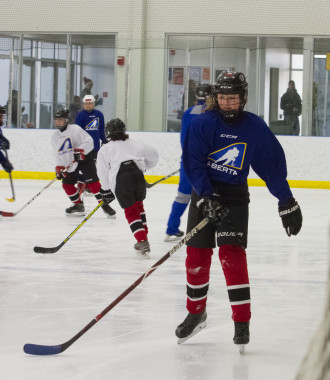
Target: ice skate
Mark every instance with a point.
(242, 335)
(109, 212)
(77, 209)
(142, 248)
(174, 237)
(191, 326)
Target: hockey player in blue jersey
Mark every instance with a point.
(4, 145)
(184, 191)
(92, 121)
(220, 147)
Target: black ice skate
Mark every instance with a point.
(242, 335)
(76, 209)
(142, 248)
(191, 326)
(174, 237)
(109, 212)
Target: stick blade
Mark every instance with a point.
(37, 349)
(7, 214)
(10, 199)
(46, 250)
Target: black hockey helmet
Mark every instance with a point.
(203, 90)
(62, 113)
(231, 83)
(115, 128)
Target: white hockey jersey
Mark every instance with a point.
(63, 144)
(111, 155)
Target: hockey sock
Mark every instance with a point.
(133, 217)
(95, 187)
(143, 215)
(198, 264)
(72, 193)
(234, 266)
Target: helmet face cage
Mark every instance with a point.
(115, 128)
(62, 113)
(203, 90)
(231, 83)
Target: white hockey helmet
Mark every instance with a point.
(88, 99)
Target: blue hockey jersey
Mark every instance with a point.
(188, 115)
(216, 152)
(93, 123)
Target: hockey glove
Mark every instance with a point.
(291, 217)
(7, 166)
(59, 171)
(78, 154)
(4, 143)
(107, 196)
(212, 210)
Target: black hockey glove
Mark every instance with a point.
(212, 210)
(7, 166)
(4, 143)
(78, 154)
(291, 217)
(107, 196)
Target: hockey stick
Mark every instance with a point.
(11, 182)
(55, 249)
(37, 349)
(149, 185)
(10, 214)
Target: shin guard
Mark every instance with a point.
(234, 266)
(72, 192)
(95, 187)
(133, 217)
(198, 264)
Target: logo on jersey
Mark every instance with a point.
(93, 125)
(232, 156)
(66, 146)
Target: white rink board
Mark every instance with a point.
(308, 158)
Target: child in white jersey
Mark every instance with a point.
(120, 167)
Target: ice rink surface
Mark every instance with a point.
(47, 299)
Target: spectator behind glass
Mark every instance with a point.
(87, 90)
(14, 101)
(291, 105)
(75, 107)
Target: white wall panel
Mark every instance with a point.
(180, 16)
